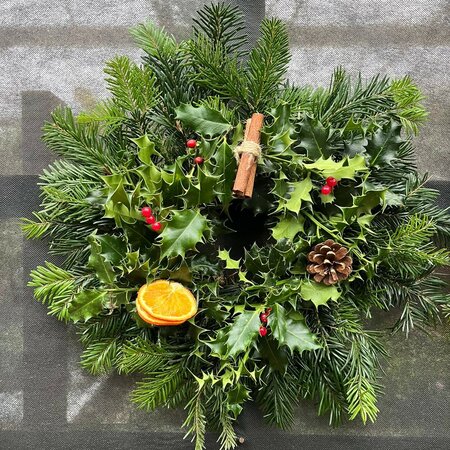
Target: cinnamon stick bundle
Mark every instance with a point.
(245, 177)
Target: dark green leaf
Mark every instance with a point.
(87, 304)
(243, 332)
(203, 120)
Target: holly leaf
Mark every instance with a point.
(362, 204)
(98, 262)
(225, 166)
(314, 138)
(288, 227)
(230, 263)
(182, 233)
(276, 356)
(298, 336)
(299, 192)
(218, 345)
(318, 293)
(385, 144)
(277, 323)
(355, 145)
(202, 190)
(203, 120)
(346, 168)
(146, 149)
(277, 136)
(86, 304)
(243, 332)
(113, 248)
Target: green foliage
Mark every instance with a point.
(203, 120)
(267, 64)
(239, 257)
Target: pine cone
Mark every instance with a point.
(329, 262)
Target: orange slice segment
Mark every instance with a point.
(153, 320)
(167, 300)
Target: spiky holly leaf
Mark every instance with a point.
(203, 120)
(146, 149)
(278, 136)
(243, 332)
(290, 330)
(113, 248)
(299, 192)
(230, 263)
(86, 304)
(315, 139)
(362, 204)
(298, 336)
(277, 323)
(201, 189)
(385, 144)
(288, 227)
(225, 166)
(182, 233)
(318, 293)
(98, 262)
(346, 168)
(277, 357)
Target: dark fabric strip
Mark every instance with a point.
(19, 195)
(271, 440)
(45, 339)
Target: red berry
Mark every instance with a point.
(332, 182)
(262, 331)
(146, 211)
(156, 226)
(263, 318)
(150, 219)
(191, 143)
(326, 190)
(268, 311)
(198, 160)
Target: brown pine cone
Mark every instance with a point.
(329, 262)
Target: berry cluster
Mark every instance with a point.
(192, 143)
(264, 317)
(147, 213)
(327, 189)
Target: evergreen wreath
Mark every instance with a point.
(340, 224)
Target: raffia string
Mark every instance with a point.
(250, 147)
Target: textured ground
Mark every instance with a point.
(53, 52)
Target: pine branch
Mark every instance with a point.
(267, 64)
(407, 97)
(196, 421)
(278, 396)
(155, 41)
(100, 356)
(222, 24)
(75, 142)
(56, 287)
(158, 387)
(143, 356)
(133, 88)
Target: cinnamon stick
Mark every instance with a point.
(245, 177)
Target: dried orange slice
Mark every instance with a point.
(167, 301)
(153, 320)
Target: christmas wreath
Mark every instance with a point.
(227, 234)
